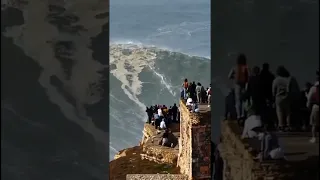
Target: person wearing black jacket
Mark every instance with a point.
(174, 111)
(149, 113)
(267, 78)
(254, 91)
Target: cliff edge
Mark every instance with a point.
(239, 164)
(145, 158)
(187, 159)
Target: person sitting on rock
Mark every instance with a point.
(165, 139)
(163, 124)
(269, 147)
(189, 101)
(194, 107)
(253, 121)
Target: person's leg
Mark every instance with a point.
(287, 113)
(237, 93)
(199, 97)
(279, 116)
(242, 110)
(314, 121)
(209, 100)
(182, 94)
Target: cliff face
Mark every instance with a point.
(146, 158)
(195, 142)
(188, 159)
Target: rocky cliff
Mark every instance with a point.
(145, 158)
(188, 159)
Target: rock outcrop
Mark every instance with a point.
(195, 142)
(188, 159)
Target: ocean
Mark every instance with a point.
(154, 46)
(54, 76)
(164, 35)
(54, 90)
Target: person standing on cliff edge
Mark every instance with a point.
(185, 86)
(198, 92)
(209, 95)
(240, 75)
(174, 111)
(149, 113)
(313, 104)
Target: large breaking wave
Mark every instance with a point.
(141, 76)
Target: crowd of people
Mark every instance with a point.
(161, 117)
(195, 93)
(263, 103)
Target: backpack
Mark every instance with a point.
(241, 74)
(185, 85)
(209, 91)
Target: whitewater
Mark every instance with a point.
(149, 58)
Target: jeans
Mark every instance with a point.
(239, 93)
(184, 90)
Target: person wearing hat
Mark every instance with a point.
(313, 104)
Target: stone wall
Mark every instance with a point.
(152, 151)
(201, 152)
(238, 163)
(194, 143)
(185, 146)
(156, 177)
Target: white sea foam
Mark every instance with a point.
(137, 58)
(183, 28)
(165, 82)
(85, 70)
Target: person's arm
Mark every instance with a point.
(231, 74)
(274, 87)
